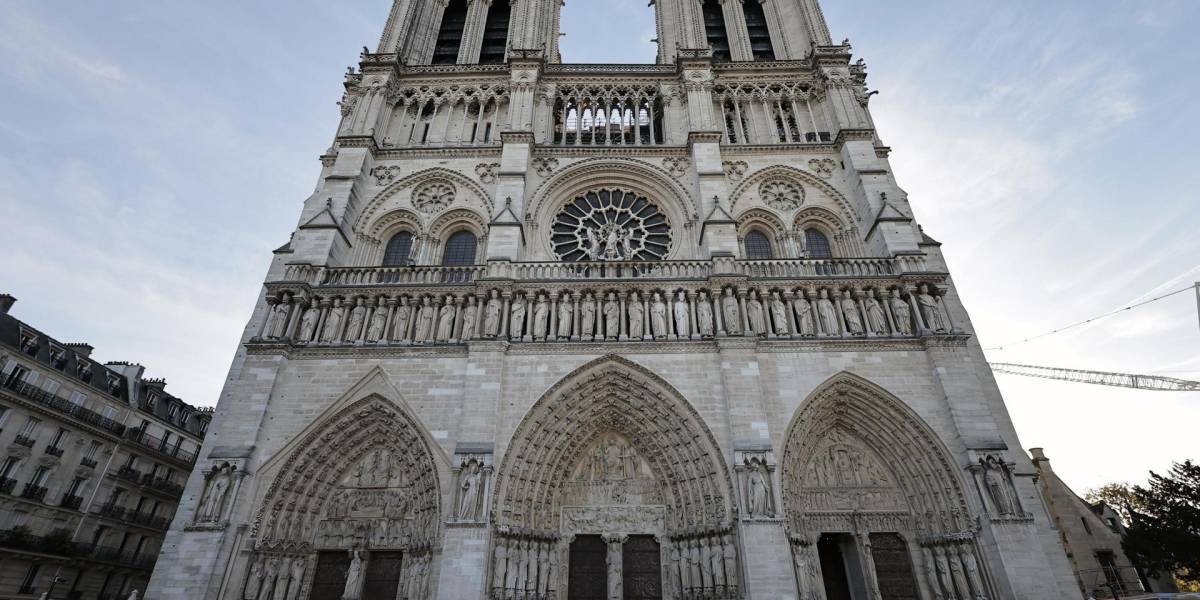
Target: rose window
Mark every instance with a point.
(611, 225)
(781, 194)
(434, 196)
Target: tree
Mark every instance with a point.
(1164, 530)
(1118, 496)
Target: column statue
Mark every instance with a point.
(730, 313)
(854, 324)
(612, 317)
(587, 316)
(754, 310)
(378, 322)
(468, 506)
(425, 320)
(491, 315)
(636, 322)
(930, 311)
(470, 314)
(541, 317)
(358, 315)
(516, 323)
(779, 315)
(704, 315)
(354, 577)
(400, 327)
(804, 315)
(308, 322)
(682, 325)
(445, 328)
(333, 323)
(565, 314)
(901, 313)
(827, 314)
(658, 317)
(876, 320)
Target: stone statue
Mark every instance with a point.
(876, 320)
(516, 319)
(614, 571)
(827, 314)
(850, 312)
(901, 313)
(612, 317)
(565, 314)
(997, 485)
(297, 578)
(378, 322)
(283, 582)
(931, 574)
(587, 316)
(213, 504)
(400, 327)
(279, 315)
(930, 310)
(779, 314)
(133, 595)
(943, 570)
(491, 315)
(804, 315)
(445, 329)
(972, 567)
(682, 325)
(956, 573)
(759, 496)
(704, 316)
(658, 316)
(500, 566)
(593, 248)
(358, 316)
(425, 319)
(636, 321)
(541, 317)
(333, 323)
(470, 314)
(272, 571)
(754, 311)
(730, 312)
(254, 580)
(468, 506)
(354, 577)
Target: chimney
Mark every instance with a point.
(155, 384)
(83, 349)
(1039, 459)
(6, 302)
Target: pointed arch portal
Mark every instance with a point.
(613, 458)
(874, 503)
(356, 498)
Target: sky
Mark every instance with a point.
(152, 154)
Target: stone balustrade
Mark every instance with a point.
(842, 299)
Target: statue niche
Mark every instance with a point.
(610, 472)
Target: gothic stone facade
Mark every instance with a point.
(550, 331)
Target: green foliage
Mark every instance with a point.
(1118, 496)
(1164, 531)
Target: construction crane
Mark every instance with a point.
(1126, 380)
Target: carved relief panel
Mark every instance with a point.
(473, 472)
(845, 475)
(372, 507)
(610, 472)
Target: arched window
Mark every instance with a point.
(495, 33)
(399, 250)
(450, 34)
(460, 249)
(758, 247)
(817, 244)
(760, 36)
(714, 29)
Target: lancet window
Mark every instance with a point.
(450, 34)
(608, 116)
(756, 26)
(758, 247)
(784, 114)
(495, 33)
(399, 250)
(460, 249)
(714, 29)
(816, 244)
(470, 116)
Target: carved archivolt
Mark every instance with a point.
(763, 220)
(464, 188)
(613, 399)
(753, 183)
(852, 448)
(369, 457)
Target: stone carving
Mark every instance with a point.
(658, 317)
(216, 493)
(308, 322)
(735, 170)
(297, 578)
(612, 317)
(354, 577)
(781, 194)
(491, 315)
(541, 317)
(876, 319)
(614, 560)
(636, 317)
(403, 314)
(854, 324)
(566, 313)
(378, 323)
(827, 315)
(931, 312)
(277, 322)
(544, 167)
(998, 481)
(334, 322)
(469, 492)
(434, 196)
(610, 473)
(609, 519)
(445, 328)
(676, 167)
(611, 224)
(470, 314)
(272, 572)
(425, 318)
(487, 172)
(680, 311)
(756, 315)
(823, 167)
(254, 579)
(758, 493)
(779, 315)
(516, 319)
(358, 316)
(385, 175)
(704, 315)
(730, 313)
(901, 313)
(587, 316)
(804, 316)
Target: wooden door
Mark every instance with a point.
(382, 580)
(588, 572)
(641, 563)
(329, 580)
(893, 567)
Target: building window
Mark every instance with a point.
(76, 487)
(93, 450)
(39, 476)
(3, 415)
(78, 398)
(173, 412)
(59, 438)
(714, 29)
(51, 386)
(9, 468)
(1112, 575)
(15, 376)
(817, 244)
(758, 247)
(454, 20)
(460, 249)
(30, 428)
(495, 34)
(399, 250)
(29, 584)
(760, 34)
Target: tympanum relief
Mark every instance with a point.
(843, 475)
(611, 473)
(371, 507)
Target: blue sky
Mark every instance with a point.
(153, 153)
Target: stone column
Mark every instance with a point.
(921, 328)
(267, 318)
(735, 28)
(623, 333)
(647, 329)
(615, 567)
(746, 330)
(841, 317)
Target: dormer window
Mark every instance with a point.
(114, 384)
(58, 357)
(29, 343)
(151, 401)
(83, 368)
(173, 412)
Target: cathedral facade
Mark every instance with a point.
(550, 331)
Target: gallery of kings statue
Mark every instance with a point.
(555, 331)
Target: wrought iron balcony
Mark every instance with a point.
(54, 451)
(113, 511)
(130, 474)
(7, 485)
(22, 440)
(88, 462)
(158, 445)
(71, 502)
(33, 492)
(63, 406)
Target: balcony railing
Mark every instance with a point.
(162, 484)
(63, 406)
(149, 520)
(130, 474)
(113, 511)
(88, 462)
(158, 445)
(7, 485)
(22, 440)
(21, 538)
(54, 451)
(71, 502)
(33, 492)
